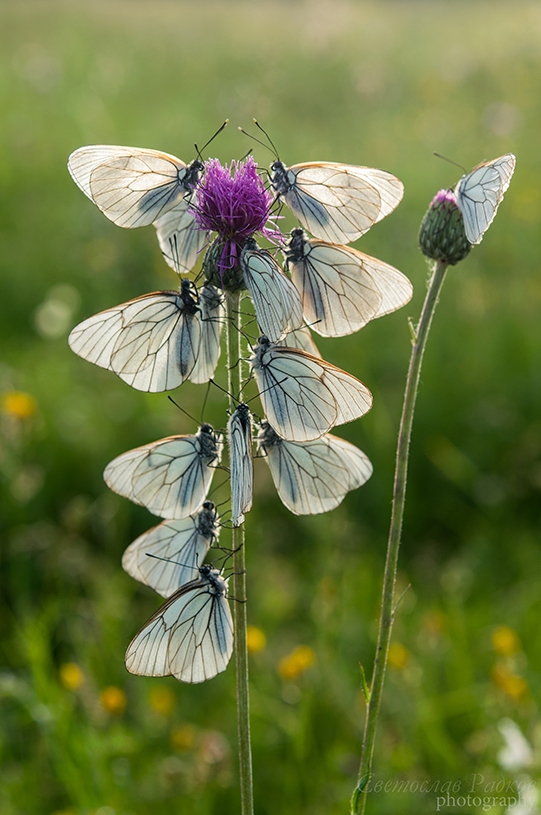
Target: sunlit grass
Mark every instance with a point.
(377, 84)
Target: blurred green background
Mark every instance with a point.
(381, 84)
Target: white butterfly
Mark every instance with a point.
(180, 238)
(190, 637)
(315, 476)
(304, 396)
(170, 477)
(480, 192)
(336, 202)
(239, 432)
(132, 186)
(170, 554)
(277, 303)
(156, 341)
(341, 288)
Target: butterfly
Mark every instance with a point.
(158, 340)
(190, 636)
(132, 186)
(277, 303)
(480, 192)
(314, 476)
(169, 555)
(303, 396)
(170, 477)
(239, 432)
(341, 288)
(336, 202)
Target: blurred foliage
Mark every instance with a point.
(378, 84)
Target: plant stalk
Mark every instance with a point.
(234, 357)
(358, 800)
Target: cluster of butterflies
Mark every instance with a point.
(157, 341)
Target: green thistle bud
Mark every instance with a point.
(229, 279)
(442, 235)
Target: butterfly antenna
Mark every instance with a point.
(184, 411)
(168, 560)
(450, 160)
(268, 137)
(249, 153)
(199, 152)
(262, 143)
(213, 382)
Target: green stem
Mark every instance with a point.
(234, 356)
(358, 800)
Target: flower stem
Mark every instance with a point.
(358, 799)
(234, 357)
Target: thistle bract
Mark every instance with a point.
(442, 235)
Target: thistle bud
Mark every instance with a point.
(442, 235)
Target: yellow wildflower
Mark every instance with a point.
(255, 639)
(398, 656)
(512, 684)
(19, 404)
(505, 641)
(162, 700)
(295, 663)
(71, 676)
(113, 699)
(183, 736)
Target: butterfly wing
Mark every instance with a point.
(301, 339)
(330, 200)
(211, 320)
(390, 188)
(304, 396)
(136, 189)
(277, 303)
(239, 431)
(314, 477)
(190, 637)
(170, 477)
(168, 555)
(180, 238)
(339, 296)
(480, 192)
(83, 161)
(151, 342)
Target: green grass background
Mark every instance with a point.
(382, 84)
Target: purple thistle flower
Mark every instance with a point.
(233, 202)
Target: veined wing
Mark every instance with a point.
(180, 239)
(239, 432)
(170, 554)
(137, 189)
(211, 319)
(302, 394)
(480, 192)
(330, 200)
(301, 339)
(315, 476)
(170, 477)
(83, 161)
(390, 187)
(339, 295)
(151, 342)
(277, 303)
(190, 637)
